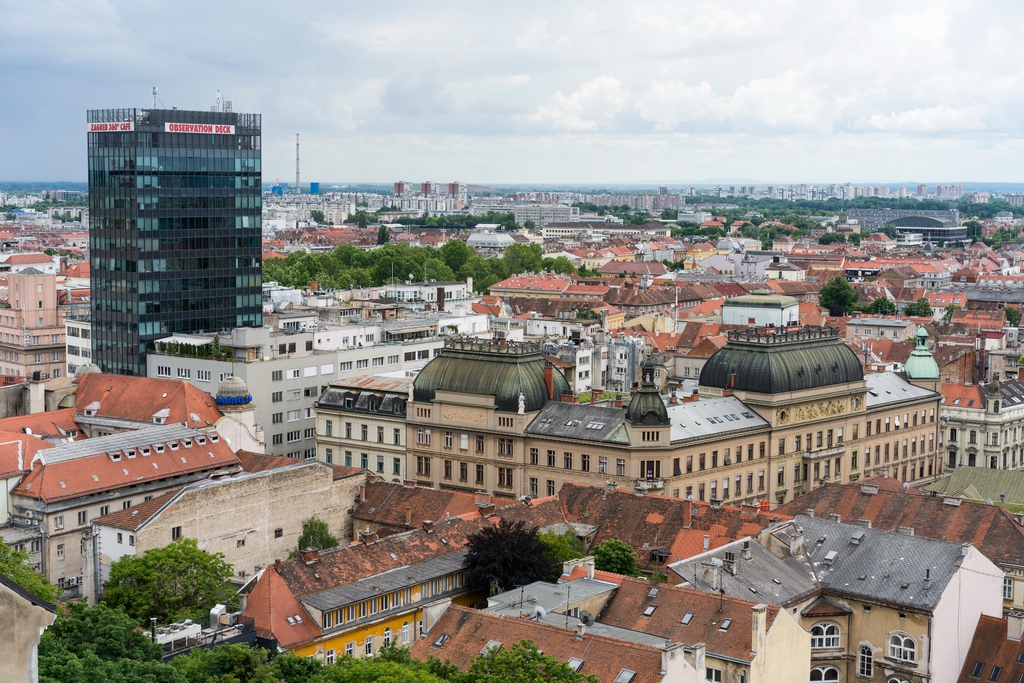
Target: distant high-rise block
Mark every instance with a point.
(174, 227)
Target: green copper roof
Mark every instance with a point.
(779, 363)
(646, 406)
(489, 368)
(921, 365)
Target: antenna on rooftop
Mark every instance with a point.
(156, 100)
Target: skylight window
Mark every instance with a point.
(491, 648)
(650, 610)
(653, 593)
(575, 663)
(441, 640)
(625, 676)
(725, 625)
(687, 618)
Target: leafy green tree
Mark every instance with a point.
(669, 214)
(315, 534)
(520, 258)
(507, 555)
(561, 547)
(317, 216)
(837, 296)
(559, 264)
(831, 238)
(14, 564)
(377, 670)
(882, 306)
(229, 663)
(530, 225)
(889, 231)
(921, 307)
(383, 236)
(615, 556)
(178, 581)
(362, 219)
(948, 315)
(522, 663)
(1012, 316)
(455, 254)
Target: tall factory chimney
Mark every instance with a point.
(298, 187)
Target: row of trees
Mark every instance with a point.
(348, 266)
(104, 644)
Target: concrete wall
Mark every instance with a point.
(239, 516)
(975, 590)
(786, 654)
(24, 623)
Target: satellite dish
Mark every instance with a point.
(539, 612)
(586, 618)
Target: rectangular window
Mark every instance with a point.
(447, 439)
(479, 444)
(505, 477)
(1007, 589)
(533, 487)
(397, 436)
(58, 522)
(447, 469)
(396, 466)
(60, 550)
(551, 487)
(620, 467)
(534, 456)
(463, 471)
(277, 396)
(585, 462)
(551, 458)
(380, 435)
(422, 466)
(176, 533)
(464, 442)
(82, 517)
(479, 474)
(602, 464)
(567, 460)
(277, 439)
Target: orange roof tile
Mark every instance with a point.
(390, 505)
(271, 603)
(140, 398)
(469, 630)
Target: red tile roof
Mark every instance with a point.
(271, 603)
(992, 648)
(259, 462)
(627, 605)
(55, 423)
(470, 630)
(991, 529)
(92, 474)
(139, 398)
(389, 504)
(23, 259)
(134, 517)
(658, 521)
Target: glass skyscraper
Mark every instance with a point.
(174, 228)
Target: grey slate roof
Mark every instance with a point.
(581, 422)
(883, 567)
(886, 388)
(386, 582)
(716, 416)
(117, 442)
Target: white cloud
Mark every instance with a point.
(598, 100)
(532, 35)
(931, 120)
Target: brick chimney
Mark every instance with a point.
(1014, 626)
(310, 555)
(428, 525)
(486, 510)
(277, 564)
(408, 515)
(687, 513)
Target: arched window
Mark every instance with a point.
(825, 674)
(902, 647)
(897, 680)
(387, 637)
(405, 633)
(865, 662)
(824, 636)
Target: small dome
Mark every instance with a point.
(921, 364)
(646, 406)
(84, 370)
(233, 391)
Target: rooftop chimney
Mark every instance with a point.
(796, 546)
(699, 653)
(581, 628)
(687, 513)
(277, 564)
(362, 494)
(486, 510)
(428, 525)
(1014, 626)
(311, 555)
(707, 541)
(549, 380)
(835, 518)
(408, 515)
(758, 626)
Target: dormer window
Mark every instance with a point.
(145, 451)
(130, 453)
(187, 442)
(174, 445)
(201, 440)
(214, 438)
(116, 457)
(159, 448)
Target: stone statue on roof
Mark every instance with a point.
(522, 403)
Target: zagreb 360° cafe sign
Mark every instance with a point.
(127, 126)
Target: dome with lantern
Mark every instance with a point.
(233, 391)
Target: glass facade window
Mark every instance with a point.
(174, 228)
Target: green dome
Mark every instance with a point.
(779, 363)
(921, 364)
(646, 406)
(490, 368)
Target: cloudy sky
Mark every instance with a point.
(540, 92)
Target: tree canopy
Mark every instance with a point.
(502, 557)
(615, 556)
(178, 581)
(837, 296)
(14, 564)
(315, 534)
(921, 307)
(561, 547)
(1012, 316)
(882, 306)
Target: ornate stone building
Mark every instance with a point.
(778, 413)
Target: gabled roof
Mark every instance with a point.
(650, 523)
(992, 648)
(388, 504)
(992, 530)
(138, 399)
(627, 605)
(271, 604)
(51, 424)
(89, 467)
(469, 631)
(260, 462)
